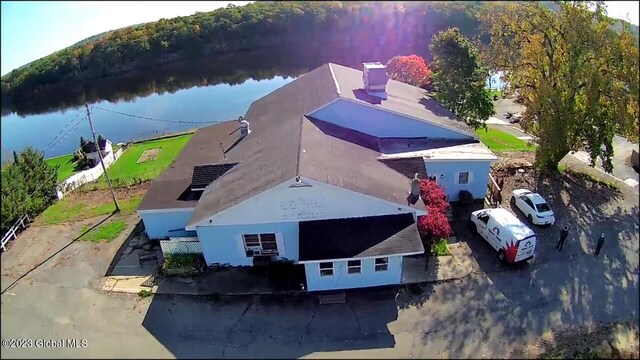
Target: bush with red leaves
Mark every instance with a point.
(433, 195)
(435, 223)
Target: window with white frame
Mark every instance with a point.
(382, 264)
(326, 268)
(354, 267)
(255, 244)
(464, 177)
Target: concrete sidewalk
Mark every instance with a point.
(240, 282)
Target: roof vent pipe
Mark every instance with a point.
(414, 194)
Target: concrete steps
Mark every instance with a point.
(333, 298)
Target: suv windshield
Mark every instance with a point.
(543, 207)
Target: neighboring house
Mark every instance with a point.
(91, 150)
(321, 179)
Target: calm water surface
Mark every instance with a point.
(200, 92)
(54, 132)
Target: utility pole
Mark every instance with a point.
(104, 168)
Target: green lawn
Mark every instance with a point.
(497, 140)
(104, 232)
(67, 210)
(493, 92)
(66, 166)
(126, 167)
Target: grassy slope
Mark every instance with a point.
(126, 166)
(67, 210)
(500, 141)
(66, 166)
(105, 232)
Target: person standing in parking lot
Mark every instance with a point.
(563, 236)
(599, 245)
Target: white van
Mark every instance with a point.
(514, 241)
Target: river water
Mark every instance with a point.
(178, 97)
(58, 132)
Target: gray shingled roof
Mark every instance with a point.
(401, 98)
(359, 237)
(284, 143)
(269, 154)
(203, 175)
(171, 190)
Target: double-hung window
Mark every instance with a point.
(262, 243)
(326, 268)
(382, 264)
(354, 267)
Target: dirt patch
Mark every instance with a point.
(103, 196)
(149, 155)
(604, 341)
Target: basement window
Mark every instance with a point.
(354, 267)
(326, 268)
(382, 264)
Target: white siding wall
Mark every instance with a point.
(318, 202)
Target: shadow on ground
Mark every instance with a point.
(571, 287)
(137, 256)
(271, 326)
(42, 248)
(488, 313)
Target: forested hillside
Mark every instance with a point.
(344, 32)
(349, 30)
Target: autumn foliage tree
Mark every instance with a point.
(578, 77)
(409, 69)
(459, 78)
(435, 224)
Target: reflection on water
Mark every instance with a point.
(201, 91)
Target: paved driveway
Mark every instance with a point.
(490, 313)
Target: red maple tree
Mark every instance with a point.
(410, 69)
(435, 223)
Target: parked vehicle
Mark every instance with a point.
(533, 206)
(515, 118)
(514, 241)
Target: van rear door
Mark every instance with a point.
(526, 248)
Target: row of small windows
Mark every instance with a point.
(354, 266)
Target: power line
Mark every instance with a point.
(104, 168)
(62, 134)
(154, 119)
(54, 144)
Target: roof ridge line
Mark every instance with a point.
(300, 143)
(335, 81)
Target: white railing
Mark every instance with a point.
(87, 176)
(181, 245)
(11, 234)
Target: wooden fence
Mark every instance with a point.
(11, 234)
(494, 193)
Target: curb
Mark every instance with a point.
(154, 290)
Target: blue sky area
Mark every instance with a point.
(34, 29)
